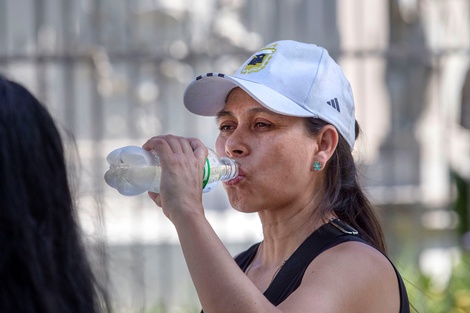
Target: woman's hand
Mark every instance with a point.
(182, 161)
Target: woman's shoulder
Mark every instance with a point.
(355, 253)
(353, 275)
(359, 264)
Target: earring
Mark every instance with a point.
(317, 166)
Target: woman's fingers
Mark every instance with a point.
(174, 144)
(157, 143)
(198, 148)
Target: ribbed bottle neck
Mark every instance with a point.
(230, 169)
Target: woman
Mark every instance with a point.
(287, 118)
(43, 265)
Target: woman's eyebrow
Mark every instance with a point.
(225, 113)
(222, 114)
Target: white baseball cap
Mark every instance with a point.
(287, 77)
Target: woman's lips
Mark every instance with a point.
(237, 179)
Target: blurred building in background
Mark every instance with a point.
(113, 72)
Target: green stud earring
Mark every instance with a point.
(317, 166)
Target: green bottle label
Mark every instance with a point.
(207, 174)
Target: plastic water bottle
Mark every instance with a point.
(133, 170)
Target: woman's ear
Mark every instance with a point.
(327, 140)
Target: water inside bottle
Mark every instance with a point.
(132, 171)
(131, 181)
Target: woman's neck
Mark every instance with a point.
(284, 231)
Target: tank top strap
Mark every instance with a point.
(290, 276)
(244, 259)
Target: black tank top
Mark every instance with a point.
(290, 276)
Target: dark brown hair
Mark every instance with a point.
(343, 194)
(43, 262)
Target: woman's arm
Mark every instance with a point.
(219, 282)
(221, 285)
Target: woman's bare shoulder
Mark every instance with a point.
(350, 275)
(354, 253)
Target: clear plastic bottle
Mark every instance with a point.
(133, 170)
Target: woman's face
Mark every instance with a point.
(274, 153)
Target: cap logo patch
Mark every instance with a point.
(334, 104)
(260, 60)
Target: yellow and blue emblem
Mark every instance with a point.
(260, 60)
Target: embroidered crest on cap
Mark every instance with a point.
(260, 60)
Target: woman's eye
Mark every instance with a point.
(261, 125)
(225, 127)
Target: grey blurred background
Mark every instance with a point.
(112, 73)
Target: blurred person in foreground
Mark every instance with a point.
(43, 265)
(287, 118)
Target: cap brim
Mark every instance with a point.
(207, 96)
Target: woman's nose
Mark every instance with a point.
(236, 144)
